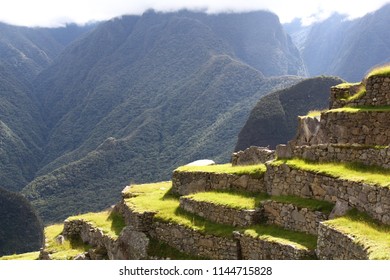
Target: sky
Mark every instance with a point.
(54, 13)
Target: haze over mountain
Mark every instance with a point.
(344, 48)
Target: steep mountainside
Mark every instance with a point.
(345, 48)
(21, 133)
(273, 119)
(21, 230)
(139, 96)
(24, 52)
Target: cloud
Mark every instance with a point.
(59, 12)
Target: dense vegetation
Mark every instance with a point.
(21, 230)
(165, 89)
(273, 120)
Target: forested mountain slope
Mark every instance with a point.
(141, 95)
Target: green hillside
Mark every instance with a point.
(273, 120)
(165, 89)
(21, 230)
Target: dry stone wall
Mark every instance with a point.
(372, 199)
(377, 94)
(340, 153)
(139, 221)
(258, 249)
(184, 183)
(221, 214)
(365, 127)
(195, 243)
(335, 245)
(291, 217)
(130, 244)
(252, 155)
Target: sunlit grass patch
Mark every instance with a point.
(156, 198)
(24, 257)
(110, 223)
(277, 234)
(346, 85)
(313, 113)
(232, 199)
(65, 251)
(379, 71)
(361, 109)
(252, 170)
(366, 232)
(311, 204)
(348, 171)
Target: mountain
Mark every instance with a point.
(21, 230)
(345, 48)
(273, 120)
(24, 53)
(140, 95)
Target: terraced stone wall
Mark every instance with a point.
(365, 128)
(258, 249)
(291, 217)
(372, 199)
(377, 94)
(129, 245)
(341, 153)
(334, 245)
(184, 183)
(139, 221)
(221, 214)
(195, 243)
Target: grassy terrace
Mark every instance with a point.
(232, 199)
(110, 223)
(346, 85)
(347, 171)
(157, 197)
(25, 257)
(252, 170)
(380, 71)
(366, 232)
(361, 109)
(242, 200)
(283, 236)
(65, 251)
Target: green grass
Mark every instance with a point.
(314, 113)
(348, 171)
(24, 257)
(366, 232)
(156, 197)
(232, 199)
(256, 171)
(65, 251)
(379, 71)
(110, 223)
(242, 200)
(311, 204)
(346, 85)
(163, 250)
(361, 109)
(277, 234)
